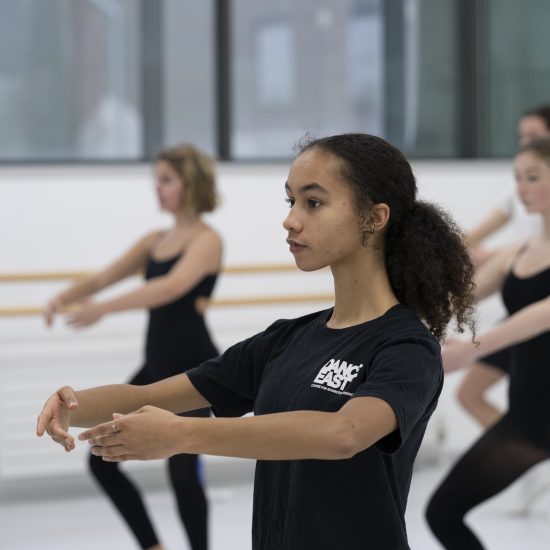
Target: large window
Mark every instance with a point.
(343, 66)
(115, 80)
(69, 80)
(304, 67)
(104, 79)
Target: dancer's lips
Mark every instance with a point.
(524, 201)
(295, 246)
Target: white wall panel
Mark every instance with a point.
(79, 217)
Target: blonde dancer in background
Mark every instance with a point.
(180, 266)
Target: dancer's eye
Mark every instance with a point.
(314, 203)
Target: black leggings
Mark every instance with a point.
(186, 483)
(495, 461)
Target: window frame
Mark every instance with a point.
(470, 16)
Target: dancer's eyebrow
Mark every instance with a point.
(314, 186)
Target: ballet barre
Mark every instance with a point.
(45, 276)
(48, 276)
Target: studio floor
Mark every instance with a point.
(88, 522)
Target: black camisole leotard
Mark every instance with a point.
(177, 336)
(513, 444)
(529, 394)
(177, 340)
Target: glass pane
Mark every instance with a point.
(304, 67)
(188, 102)
(515, 73)
(344, 66)
(430, 81)
(69, 80)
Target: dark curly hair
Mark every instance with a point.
(428, 265)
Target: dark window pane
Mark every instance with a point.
(188, 101)
(515, 72)
(431, 79)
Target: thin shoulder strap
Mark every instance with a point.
(518, 255)
(155, 241)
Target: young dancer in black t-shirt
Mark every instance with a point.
(341, 397)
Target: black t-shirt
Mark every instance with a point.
(301, 364)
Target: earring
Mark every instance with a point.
(366, 236)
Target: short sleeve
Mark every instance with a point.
(230, 382)
(407, 375)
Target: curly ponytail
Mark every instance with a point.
(430, 269)
(428, 264)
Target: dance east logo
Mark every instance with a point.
(335, 375)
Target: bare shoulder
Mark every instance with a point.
(205, 248)
(207, 235)
(150, 238)
(202, 256)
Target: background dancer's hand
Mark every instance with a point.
(55, 416)
(457, 354)
(53, 307)
(87, 313)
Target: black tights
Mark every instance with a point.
(186, 483)
(494, 462)
(125, 496)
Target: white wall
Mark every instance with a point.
(80, 217)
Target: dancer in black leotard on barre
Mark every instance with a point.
(181, 266)
(521, 438)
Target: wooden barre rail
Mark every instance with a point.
(43, 276)
(217, 302)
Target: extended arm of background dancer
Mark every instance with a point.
(132, 261)
(474, 238)
(496, 219)
(186, 273)
(153, 432)
(523, 325)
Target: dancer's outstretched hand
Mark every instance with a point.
(149, 433)
(55, 417)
